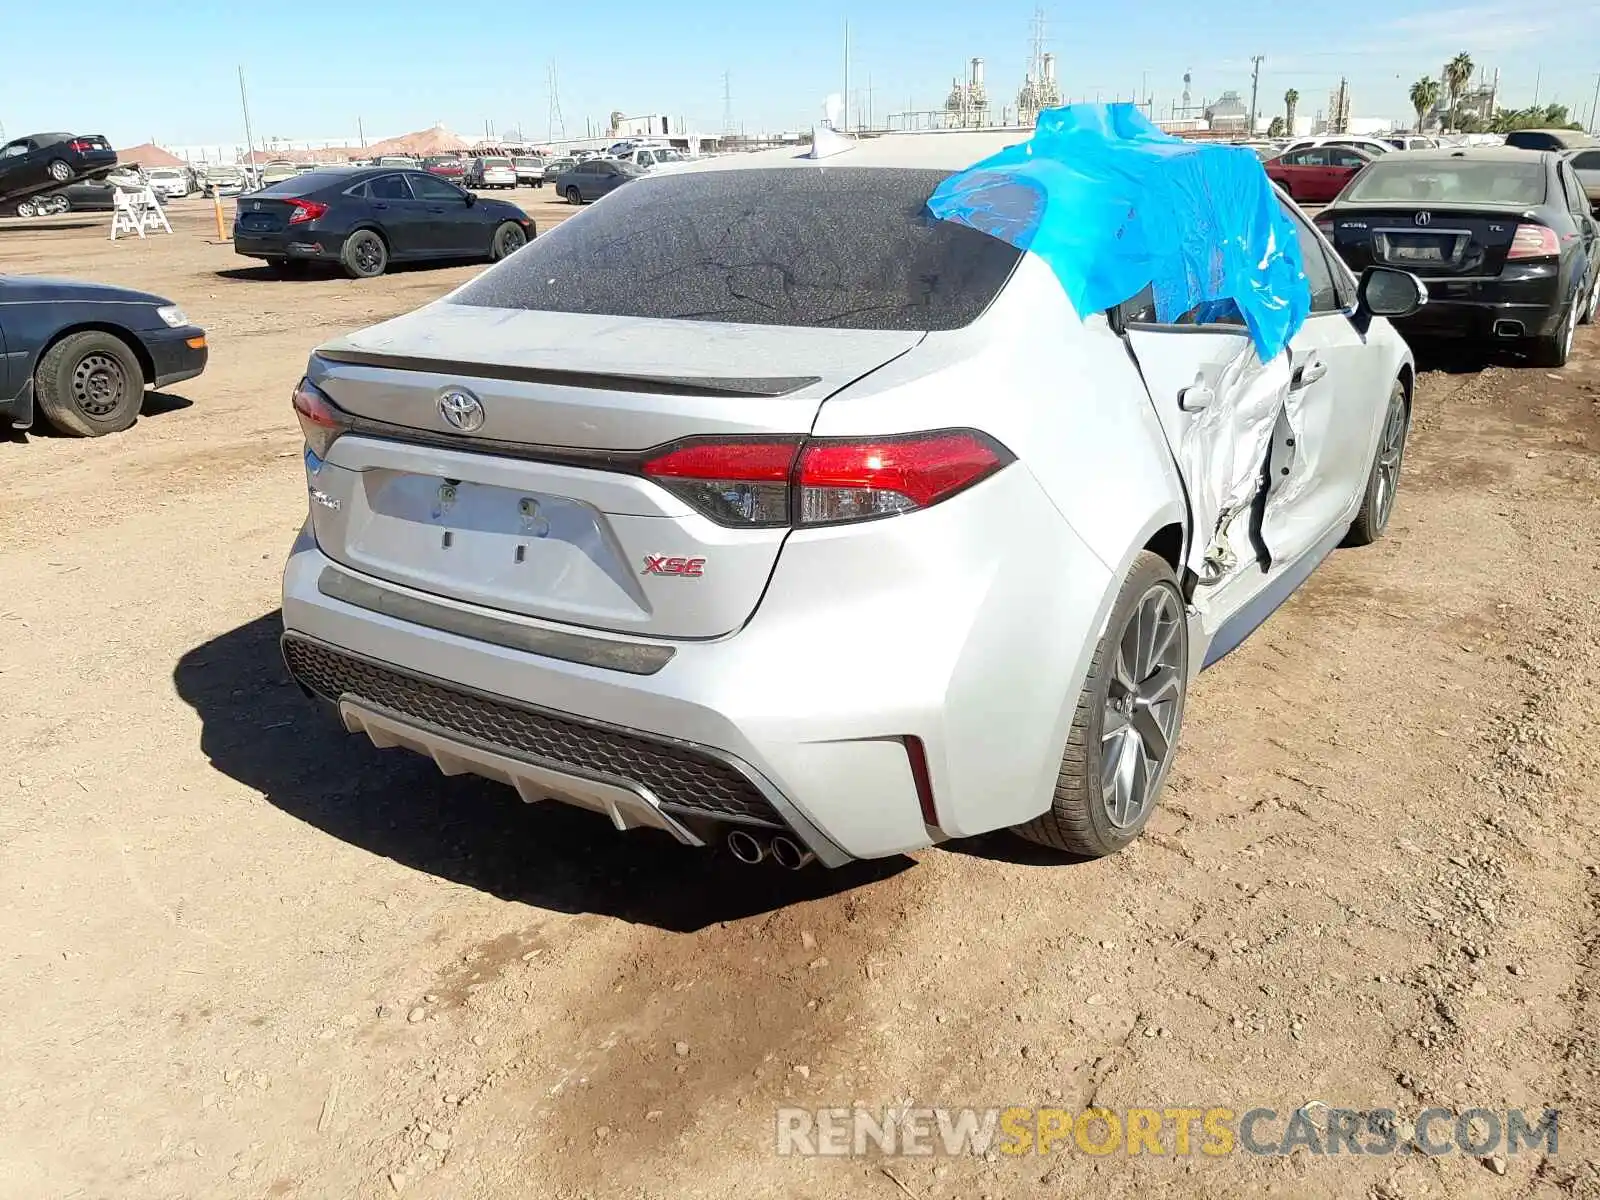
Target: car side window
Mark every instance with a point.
(14, 149)
(1575, 197)
(1589, 160)
(426, 187)
(389, 187)
(1348, 158)
(1324, 294)
(1295, 159)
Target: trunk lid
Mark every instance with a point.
(541, 509)
(263, 214)
(1453, 240)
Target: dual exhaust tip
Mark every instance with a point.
(784, 851)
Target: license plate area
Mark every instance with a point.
(1413, 248)
(258, 222)
(526, 551)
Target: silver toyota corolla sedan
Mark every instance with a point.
(758, 506)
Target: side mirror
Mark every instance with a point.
(472, 198)
(1386, 292)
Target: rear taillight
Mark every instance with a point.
(1534, 241)
(320, 419)
(1325, 224)
(824, 481)
(306, 210)
(82, 146)
(733, 483)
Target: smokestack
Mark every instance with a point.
(977, 72)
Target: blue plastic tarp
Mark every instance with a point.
(1113, 206)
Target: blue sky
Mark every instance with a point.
(167, 72)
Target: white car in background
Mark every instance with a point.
(655, 158)
(831, 532)
(170, 183)
(491, 172)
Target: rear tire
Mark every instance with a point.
(364, 255)
(1128, 719)
(60, 171)
(89, 384)
(27, 209)
(1555, 349)
(574, 196)
(1383, 480)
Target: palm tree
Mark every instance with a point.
(1424, 95)
(1457, 74)
(1290, 99)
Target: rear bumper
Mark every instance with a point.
(173, 357)
(1528, 296)
(312, 245)
(921, 627)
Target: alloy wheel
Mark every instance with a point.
(369, 255)
(1144, 703)
(97, 385)
(511, 240)
(1391, 450)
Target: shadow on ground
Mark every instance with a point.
(323, 272)
(156, 404)
(260, 729)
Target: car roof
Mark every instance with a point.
(1510, 154)
(930, 151)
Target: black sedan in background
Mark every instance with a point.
(594, 178)
(42, 161)
(81, 354)
(364, 218)
(89, 195)
(1503, 237)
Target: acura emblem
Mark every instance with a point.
(255, 206)
(1423, 218)
(461, 409)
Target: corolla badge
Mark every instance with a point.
(461, 410)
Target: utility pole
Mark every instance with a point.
(869, 99)
(727, 103)
(555, 118)
(1255, 84)
(1593, 104)
(361, 133)
(1538, 75)
(249, 136)
(847, 77)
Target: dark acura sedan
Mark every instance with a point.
(81, 354)
(1504, 239)
(364, 218)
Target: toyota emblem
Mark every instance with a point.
(1423, 218)
(461, 409)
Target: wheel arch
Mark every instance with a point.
(122, 333)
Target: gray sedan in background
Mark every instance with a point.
(598, 177)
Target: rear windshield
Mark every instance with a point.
(1453, 181)
(497, 162)
(299, 185)
(842, 248)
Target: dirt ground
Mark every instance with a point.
(246, 954)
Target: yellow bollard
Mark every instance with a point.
(217, 201)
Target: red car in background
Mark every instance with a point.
(445, 167)
(1316, 174)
